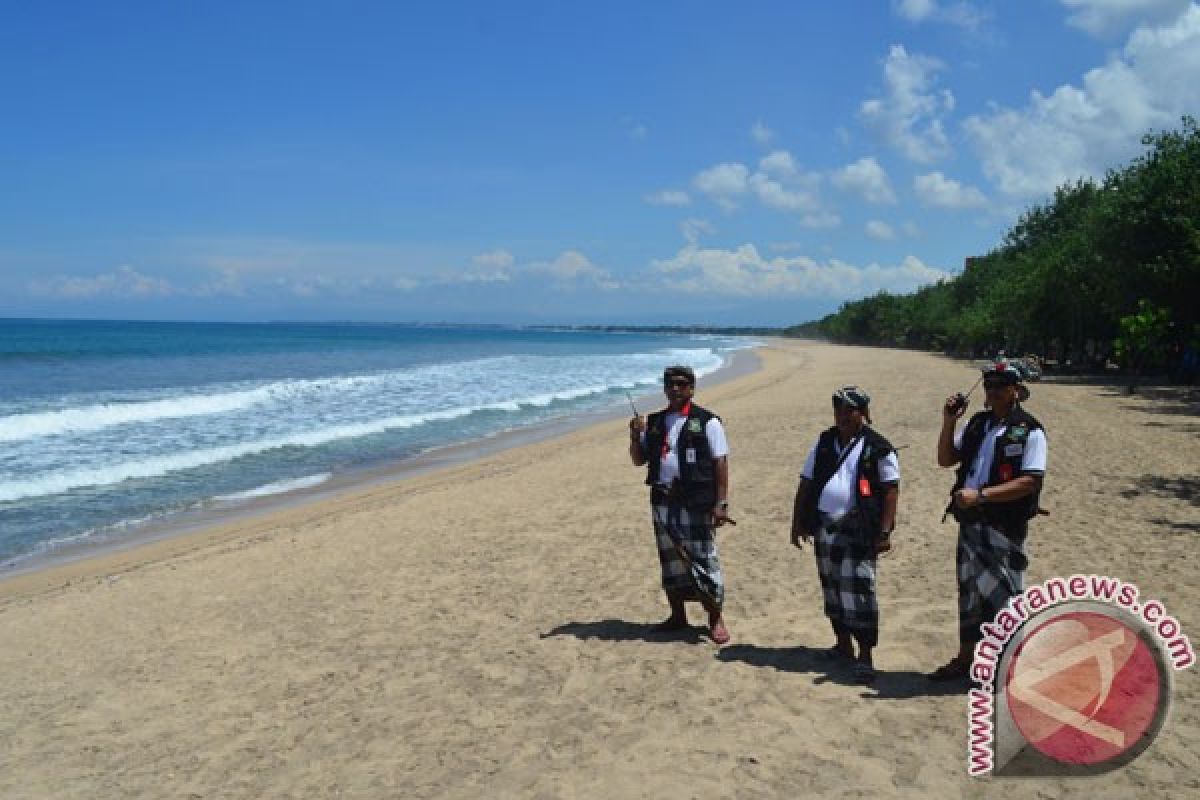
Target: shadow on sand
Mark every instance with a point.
(618, 630)
(889, 685)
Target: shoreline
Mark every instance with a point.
(487, 628)
(156, 539)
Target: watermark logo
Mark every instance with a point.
(1074, 678)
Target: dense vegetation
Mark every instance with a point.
(1108, 270)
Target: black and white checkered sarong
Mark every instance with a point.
(846, 566)
(991, 569)
(694, 534)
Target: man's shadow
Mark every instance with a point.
(888, 685)
(619, 630)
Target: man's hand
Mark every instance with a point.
(799, 533)
(954, 407)
(966, 498)
(720, 516)
(636, 426)
(883, 544)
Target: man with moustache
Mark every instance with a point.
(685, 452)
(846, 504)
(1001, 459)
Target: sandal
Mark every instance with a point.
(953, 670)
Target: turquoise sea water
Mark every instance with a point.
(105, 426)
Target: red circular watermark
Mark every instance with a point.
(1085, 688)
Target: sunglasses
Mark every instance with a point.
(678, 383)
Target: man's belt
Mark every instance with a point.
(850, 522)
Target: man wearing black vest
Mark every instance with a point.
(846, 501)
(686, 455)
(1001, 458)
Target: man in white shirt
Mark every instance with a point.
(685, 452)
(1001, 458)
(846, 501)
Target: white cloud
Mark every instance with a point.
(572, 267)
(1107, 17)
(911, 230)
(1079, 131)
(963, 14)
(909, 115)
(935, 189)
(723, 184)
(669, 197)
(880, 230)
(821, 219)
(866, 178)
(494, 266)
(125, 281)
(761, 133)
(228, 283)
(779, 164)
(773, 194)
(744, 272)
(495, 259)
(915, 10)
(692, 229)
(726, 184)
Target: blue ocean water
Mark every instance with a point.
(107, 425)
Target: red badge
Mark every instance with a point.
(864, 487)
(1006, 473)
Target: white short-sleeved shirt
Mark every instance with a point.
(1033, 457)
(838, 496)
(668, 469)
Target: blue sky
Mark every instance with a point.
(554, 162)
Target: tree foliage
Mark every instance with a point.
(1066, 274)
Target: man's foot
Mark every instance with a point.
(719, 633)
(955, 669)
(837, 652)
(671, 624)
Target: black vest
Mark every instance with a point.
(870, 504)
(697, 479)
(1011, 517)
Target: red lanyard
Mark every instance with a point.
(686, 412)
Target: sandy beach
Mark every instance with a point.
(483, 630)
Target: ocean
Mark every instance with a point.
(108, 427)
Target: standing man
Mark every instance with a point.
(686, 455)
(846, 500)
(1001, 458)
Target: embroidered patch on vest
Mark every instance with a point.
(695, 426)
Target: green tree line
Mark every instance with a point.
(1066, 274)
